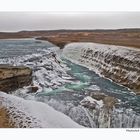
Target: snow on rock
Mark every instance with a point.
(103, 115)
(120, 64)
(91, 103)
(25, 113)
(76, 112)
(48, 70)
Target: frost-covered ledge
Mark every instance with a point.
(121, 64)
(31, 114)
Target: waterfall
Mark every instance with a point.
(121, 65)
(116, 118)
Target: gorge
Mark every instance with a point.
(72, 81)
(120, 64)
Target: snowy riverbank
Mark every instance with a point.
(118, 63)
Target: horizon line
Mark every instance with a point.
(65, 29)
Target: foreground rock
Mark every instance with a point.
(4, 119)
(14, 77)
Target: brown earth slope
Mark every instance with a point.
(122, 37)
(131, 39)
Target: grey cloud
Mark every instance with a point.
(15, 21)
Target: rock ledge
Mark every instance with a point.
(14, 77)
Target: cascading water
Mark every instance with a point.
(120, 64)
(70, 88)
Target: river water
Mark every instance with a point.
(66, 86)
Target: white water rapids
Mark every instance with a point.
(67, 88)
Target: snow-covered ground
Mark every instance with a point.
(27, 113)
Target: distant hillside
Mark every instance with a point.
(125, 37)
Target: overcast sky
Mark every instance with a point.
(17, 21)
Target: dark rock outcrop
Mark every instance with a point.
(14, 77)
(33, 89)
(110, 102)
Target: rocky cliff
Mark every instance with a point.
(13, 77)
(120, 64)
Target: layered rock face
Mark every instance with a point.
(121, 64)
(13, 77)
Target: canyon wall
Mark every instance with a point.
(118, 63)
(14, 77)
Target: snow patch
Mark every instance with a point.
(26, 113)
(92, 101)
